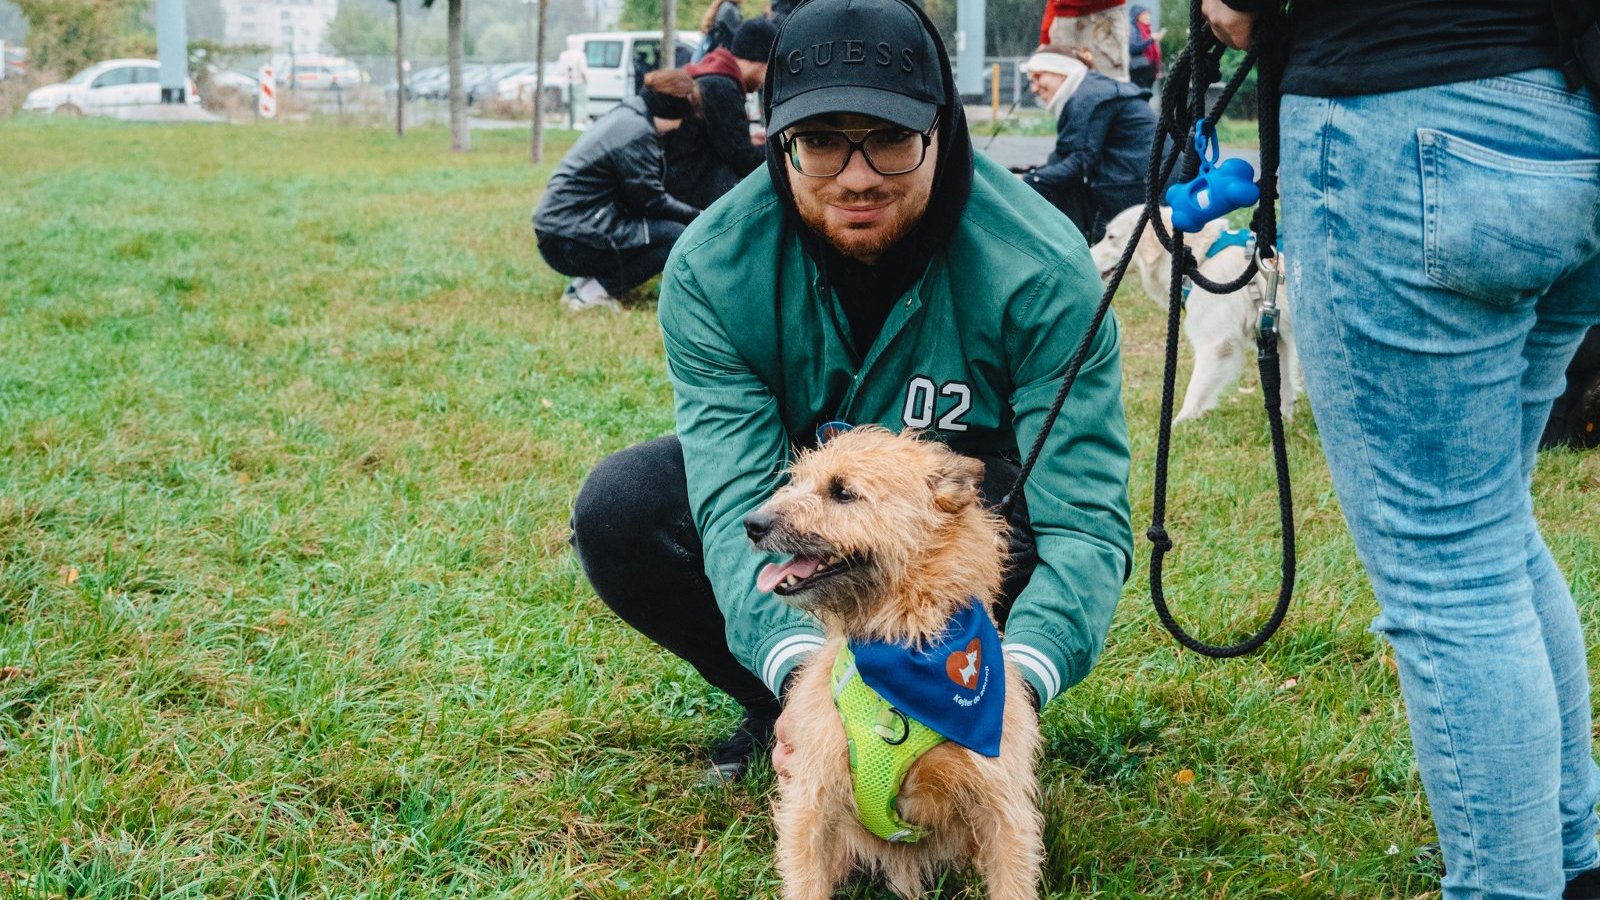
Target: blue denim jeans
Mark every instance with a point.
(1443, 253)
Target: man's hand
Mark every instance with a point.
(782, 751)
(1230, 26)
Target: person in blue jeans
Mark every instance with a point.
(1440, 189)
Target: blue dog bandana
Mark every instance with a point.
(956, 685)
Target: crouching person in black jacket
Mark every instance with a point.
(1104, 131)
(710, 154)
(606, 218)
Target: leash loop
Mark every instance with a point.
(1184, 121)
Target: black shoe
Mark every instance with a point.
(732, 759)
(1585, 887)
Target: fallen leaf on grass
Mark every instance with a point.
(69, 574)
(1289, 683)
(1184, 776)
(9, 672)
(699, 848)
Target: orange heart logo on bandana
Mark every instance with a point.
(963, 665)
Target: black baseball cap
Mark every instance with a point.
(867, 57)
(753, 40)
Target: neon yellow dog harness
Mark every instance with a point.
(884, 743)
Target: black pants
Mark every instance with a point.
(637, 543)
(1575, 415)
(618, 271)
(1092, 208)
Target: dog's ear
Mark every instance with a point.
(955, 482)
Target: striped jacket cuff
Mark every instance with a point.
(783, 653)
(1037, 667)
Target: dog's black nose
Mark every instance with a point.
(758, 525)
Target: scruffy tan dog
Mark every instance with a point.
(896, 540)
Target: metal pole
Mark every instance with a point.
(994, 93)
(538, 83)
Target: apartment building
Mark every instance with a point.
(287, 26)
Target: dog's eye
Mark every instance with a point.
(839, 493)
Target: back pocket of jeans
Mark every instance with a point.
(1502, 228)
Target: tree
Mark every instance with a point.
(1012, 27)
(502, 40)
(70, 35)
(399, 68)
(646, 15)
(356, 31)
(460, 136)
(538, 82)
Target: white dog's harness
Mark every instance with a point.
(1235, 237)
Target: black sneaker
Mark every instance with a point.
(1585, 887)
(732, 759)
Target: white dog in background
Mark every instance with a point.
(1220, 328)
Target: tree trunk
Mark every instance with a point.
(460, 140)
(669, 35)
(399, 67)
(538, 83)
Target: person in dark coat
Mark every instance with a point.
(719, 25)
(606, 218)
(1104, 130)
(1144, 49)
(711, 153)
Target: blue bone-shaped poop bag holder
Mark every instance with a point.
(1219, 189)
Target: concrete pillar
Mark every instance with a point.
(172, 47)
(969, 47)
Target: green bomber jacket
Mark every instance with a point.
(759, 356)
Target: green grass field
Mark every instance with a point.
(290, 423)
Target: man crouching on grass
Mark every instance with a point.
(876, 272)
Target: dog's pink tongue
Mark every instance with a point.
(773, 574)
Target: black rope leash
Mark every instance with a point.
(1197, 67)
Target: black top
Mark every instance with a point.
(707, 156)
(610, 183)
(1345, 47)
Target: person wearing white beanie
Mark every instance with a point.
(1104, 131)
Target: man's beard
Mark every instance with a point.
(858, 242)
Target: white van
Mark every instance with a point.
(619, 60)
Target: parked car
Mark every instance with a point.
(419, 81)
(105, 88)
(619, 60)
(320, 73)
(246, 85)
(518, 87)
(485, 80)
(434, 84)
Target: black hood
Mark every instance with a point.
(860, 285)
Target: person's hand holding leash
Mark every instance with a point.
(1231, 27)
